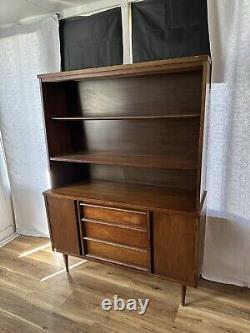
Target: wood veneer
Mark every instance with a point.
(125, 236)
(63, 229)
(33, 295)
(126, 159)
(130, 195)
(126, 152)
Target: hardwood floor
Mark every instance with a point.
(36, 295)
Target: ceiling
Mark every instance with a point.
(12, 11)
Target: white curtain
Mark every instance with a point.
(7, 226)
(227, 248)
(25, 51)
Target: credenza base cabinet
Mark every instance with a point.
(126, 154)
(152, 241)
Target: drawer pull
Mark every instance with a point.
(92, 256)
(113, 224)
(115, 244)
(114, 215)
(113, 208)
(109, 251)
(116, 235)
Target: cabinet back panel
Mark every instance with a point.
(159, 177)
(177, 93)
(165, 94)
(175, 137)
(62, 174)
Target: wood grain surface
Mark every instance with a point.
(38, 296)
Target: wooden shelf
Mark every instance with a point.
(151, 117)
(135, 160)
(132, 195)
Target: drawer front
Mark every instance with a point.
(114, 215)
(120, 235)
(116, 254)
(115, 235)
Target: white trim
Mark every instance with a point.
(126, 31)
(93, 8)
(8, 239)
(90, 8)
(31, 233)
(130, 33)
(6, 232)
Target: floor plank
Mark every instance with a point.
(37, 295)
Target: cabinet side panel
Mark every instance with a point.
(201, 236)
(174, 247)
(202, 151)
(63, 225)
(54, 105)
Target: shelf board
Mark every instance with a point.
(127, 194)
(150, 117)
(135, 160)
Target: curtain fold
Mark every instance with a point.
(227, 245)
(25, 51)
(7, 225)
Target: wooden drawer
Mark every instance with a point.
(117, 254)
(116, 235)
(114, 215)
(122, 235)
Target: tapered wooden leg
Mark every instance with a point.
(66, 262)
(183, 294)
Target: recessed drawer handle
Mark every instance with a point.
(116, 225)
(115, 244)
(113, 208)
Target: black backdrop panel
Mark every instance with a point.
(92, 41)
(169, 29)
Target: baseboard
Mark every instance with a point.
(31, 233)
(8, 239)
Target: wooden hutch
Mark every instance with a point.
(126, 153)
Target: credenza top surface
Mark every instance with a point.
(126, 195)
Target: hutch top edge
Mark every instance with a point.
(140, 68)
